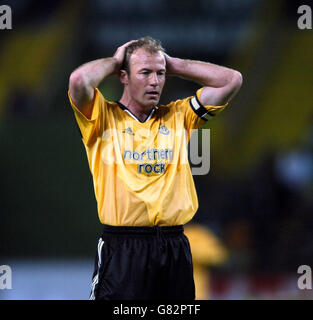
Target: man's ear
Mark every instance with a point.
(123, 77)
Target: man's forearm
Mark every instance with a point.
(220, 83)
(87, 77)
(207, 74)
(94, 72)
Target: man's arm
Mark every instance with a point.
(87, 77)
(220, 83)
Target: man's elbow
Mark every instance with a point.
(77, 81)
(236, 80)
(80, 90)
(233, 86)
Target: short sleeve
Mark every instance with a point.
(201, 113)
(211, 111)
(197, 114)
(90, 129)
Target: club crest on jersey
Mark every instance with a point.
(164, 130)
(129, 130)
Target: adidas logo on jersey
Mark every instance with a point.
(129, 130)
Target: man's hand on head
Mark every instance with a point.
(170, 61)
(120, 54)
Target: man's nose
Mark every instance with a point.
(154, 80)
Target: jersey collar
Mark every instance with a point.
(125, 109)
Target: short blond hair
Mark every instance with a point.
(149, 44)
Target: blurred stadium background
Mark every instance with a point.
(256, 201)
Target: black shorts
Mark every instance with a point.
(143, 263)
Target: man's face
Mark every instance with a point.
(147, 77)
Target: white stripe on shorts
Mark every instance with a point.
(95, 279)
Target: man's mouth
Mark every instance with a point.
(152, 93)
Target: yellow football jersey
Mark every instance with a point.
(140, 170)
